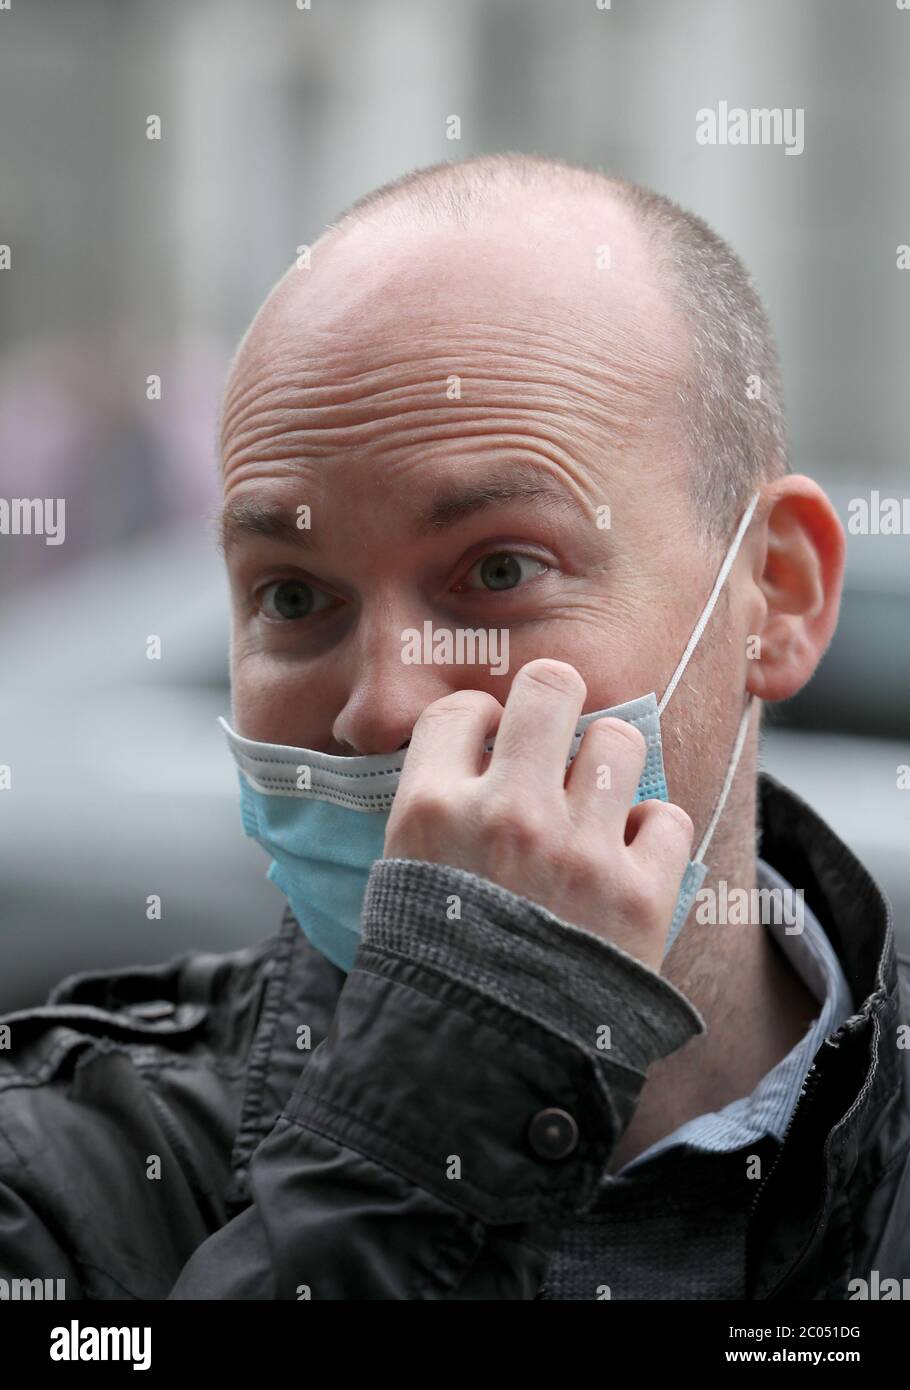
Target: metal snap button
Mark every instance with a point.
(553, 1133)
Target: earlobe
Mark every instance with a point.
(800, 581)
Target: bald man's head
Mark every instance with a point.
(730, 399)
(653, 320)
(433, 330)
(477, 415)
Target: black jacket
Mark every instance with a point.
(258, 1125)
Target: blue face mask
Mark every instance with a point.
(323, 818)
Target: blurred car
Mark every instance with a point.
(122, 786)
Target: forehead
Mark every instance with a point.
(549, 323)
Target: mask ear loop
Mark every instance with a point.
(709, 606)
(728, 780)
(690, 648)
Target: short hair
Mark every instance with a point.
(735, 436)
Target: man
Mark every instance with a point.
(513, 396)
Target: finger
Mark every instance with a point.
(605, 773)
(447, 740)
(660, 836)
(537, 727)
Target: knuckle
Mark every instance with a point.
(419, 805)
(580, 870)
(516, 827)
(638, 896)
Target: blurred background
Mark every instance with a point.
(131, 257)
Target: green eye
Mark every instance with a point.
(291, 598)
(504, 571)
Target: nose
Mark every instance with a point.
(385, 697)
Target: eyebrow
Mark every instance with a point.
(516, 485)
(248, 516)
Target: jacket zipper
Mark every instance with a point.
(810, 1082)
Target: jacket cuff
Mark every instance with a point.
(575, 984)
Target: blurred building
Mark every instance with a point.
(134, 257)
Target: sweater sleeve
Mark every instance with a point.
(569, 982)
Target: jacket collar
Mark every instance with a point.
(845, 1116)
(843, 895)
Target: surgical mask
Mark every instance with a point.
(323, 818)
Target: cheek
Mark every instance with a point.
(699, 726)
(275, 702)
(574, 645)
(618, 661)
(256, 699)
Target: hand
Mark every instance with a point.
(570, 841)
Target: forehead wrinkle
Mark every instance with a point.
(319, 418)
(571, 447)
(562, 440)
(338, 374)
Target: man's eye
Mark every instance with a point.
(503, 570)
(291, 598)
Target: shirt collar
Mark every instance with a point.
(767, 1109)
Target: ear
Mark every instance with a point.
(799, 572)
